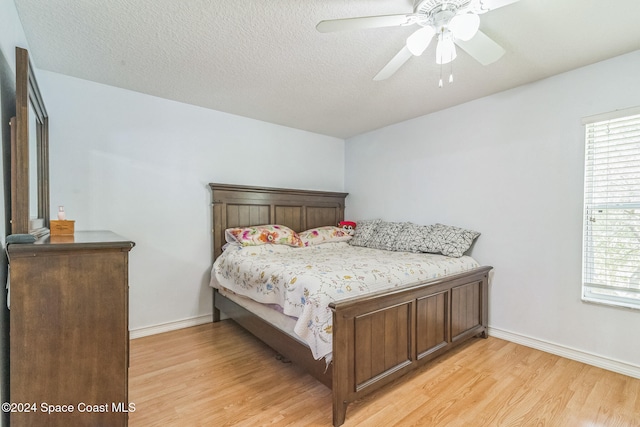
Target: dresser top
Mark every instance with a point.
(79, 240)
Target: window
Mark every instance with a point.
(611, 246)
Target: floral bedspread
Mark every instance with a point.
(303, 281)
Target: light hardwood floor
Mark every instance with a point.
(219, 375)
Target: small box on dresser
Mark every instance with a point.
(69, 330)
(59, 227)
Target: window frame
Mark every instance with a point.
(587, 289)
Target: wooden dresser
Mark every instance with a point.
(69, 330)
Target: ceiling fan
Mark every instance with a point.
(452, 22)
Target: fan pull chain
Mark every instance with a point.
(440, 84)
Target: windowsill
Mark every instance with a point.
(613, 304)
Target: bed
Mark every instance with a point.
(376, 338)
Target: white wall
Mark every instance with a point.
(140, 166)
(510, 166)
(11, 32)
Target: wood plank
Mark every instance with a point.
(378, 335)
(432, 329)
(218, 374)
(321, 216)
(363, 349)
(466, 306)
(403, 333)
(290, 216)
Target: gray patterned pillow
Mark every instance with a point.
(385, 235)
(448, 240)
(365, 230)
(411, 237)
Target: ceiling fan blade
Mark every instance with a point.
(366, 22)
(482, 48)
(483, 6)
(393, 65)
(419, 41)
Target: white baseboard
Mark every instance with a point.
(570, 353)
(170, 326)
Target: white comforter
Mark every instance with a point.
(303, 281)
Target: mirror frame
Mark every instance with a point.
(28, 94)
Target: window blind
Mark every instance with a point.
(611, 247)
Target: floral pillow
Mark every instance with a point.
(317, 236)
(263, 234)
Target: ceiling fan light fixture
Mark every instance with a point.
(446, 49)
(455, 22)
(418, 42)
(465, 26)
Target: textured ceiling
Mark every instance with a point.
(265, 60)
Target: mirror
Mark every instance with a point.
(29, 154)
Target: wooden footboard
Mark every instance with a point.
(381, 337)
(376, 338)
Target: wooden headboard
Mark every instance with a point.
(242, 206)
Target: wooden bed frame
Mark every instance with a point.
(376, 338)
